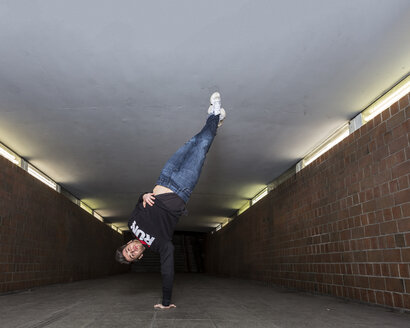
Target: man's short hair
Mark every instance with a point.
(119, 256)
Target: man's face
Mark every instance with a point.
(133, 251)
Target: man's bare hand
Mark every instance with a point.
(148, 199)
(160, 306)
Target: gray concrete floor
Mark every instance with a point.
(202, 301)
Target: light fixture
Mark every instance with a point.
(86, 207)
(41, 176)
(7, 153)
(396, 93)
(226, 221)
(98, 216)
(259, 196)
(244, 207)
(115, 228)
(282, 178)
(330, 142)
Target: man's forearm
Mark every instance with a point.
(167, 282)
(167, 271)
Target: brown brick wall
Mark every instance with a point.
(341, 226)
(45, 238)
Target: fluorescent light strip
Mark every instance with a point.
(388, 99)
(338, 136)
(244, 207)
(85, 207)
(115, 228)
(258, 197)
(5, 152)
(227, 220)
(98, 216)
(42, 177)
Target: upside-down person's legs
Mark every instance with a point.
(182, 171)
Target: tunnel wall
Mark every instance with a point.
(340, 226)
(45, 238)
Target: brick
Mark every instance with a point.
(403, 182)
(404, 270)
(393, 186)
(377, 271)
(388, 227)
(394, 270)
(362, 281)
(360, 256)
(388, 299)
(358, 233)
(6, 277)
(399, 239)
(398, 300)
(379, 297)
(363, 295)
(384, 151)
(395, 285)
(348, 280)
(374, 243)
(345, 235)
(406, 301)
(371, 295)
(384, 202)
(369, 269)
(395, 120)
(405, 254)
(401, 169)
(356, 293)
(385, 269)
(376, 191)
(387, 214)
(391, 255)
(355, 210)
(377, 283)
(372, 230)
(384, 187)
(394, 109)
(407, 285)
(397, 211)
(402, 197)
(395, 146)
(369, 206)
(385, 115)
(375, 256)
(404, 102)
(387, 241)
(403, 225)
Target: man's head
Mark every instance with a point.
(130, 252)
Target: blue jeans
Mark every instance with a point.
(182, 171)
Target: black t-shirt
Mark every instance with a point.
(154, 226)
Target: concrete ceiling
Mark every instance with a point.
(99, 93)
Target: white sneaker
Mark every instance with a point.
(216, 103)
(221, 117)
(215, 108)
(222, 114)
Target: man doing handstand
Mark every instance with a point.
(153, 225)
